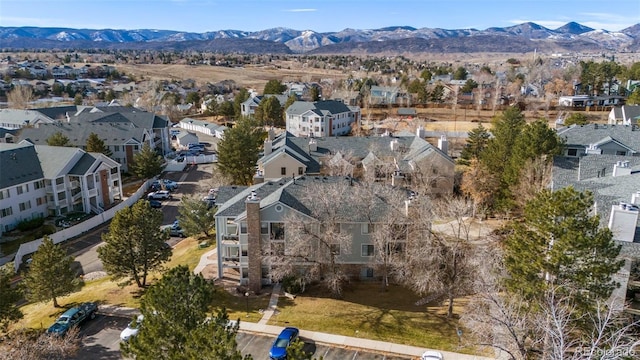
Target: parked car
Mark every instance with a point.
(159, 195)
(279, 348)
(132, 329)
(164, 183)
(174, 231)
(431, 355)
(73, 317)
(155, 204)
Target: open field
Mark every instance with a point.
(251, 77)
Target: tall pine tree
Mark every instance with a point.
(95, 144)
(50, 274)
(135, 244)
(476, 143)
(560, 243)
(177, 324)
(147, 163)
(238, 151)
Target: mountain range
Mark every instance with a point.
(525, 37)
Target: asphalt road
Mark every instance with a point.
(84, 247)
(101, 341)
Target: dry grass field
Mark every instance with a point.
(253, 77)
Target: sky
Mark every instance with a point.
(318, 15)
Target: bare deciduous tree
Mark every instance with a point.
(20, 97)
(534, 177)
(30, 345)
(316, 241)
(441, 265)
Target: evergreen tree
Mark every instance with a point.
(437, 93)
(196, 216)
(226, 109)
(77, 100)
(177, 324)
(290, 100)
(505, 129)
(9, 297)
(269, 112)
(460, 74)
(536, 140)
(577, 119)
(95, 144)
(274, 87)
(50, 274)
(238, 151)
(468, 86)
(476, 143)
(58, 139)
(240, 97)
(147, 163)
(135, 244)
(560, 243)
(314, 93)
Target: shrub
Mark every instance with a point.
(293, 285)
(30, 224)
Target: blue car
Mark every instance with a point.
(279, 348)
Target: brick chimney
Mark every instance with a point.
(254, 242)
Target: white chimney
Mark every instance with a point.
(621, 168)
(635, 198)
(394, 144)
(593, 149)
(313, 145)
(267, 147)
(271, 134)
(253, 196)
(623, 221)
(420, 132)
(443, 144)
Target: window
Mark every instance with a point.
(277, 231)
(20, 190)
(25, 205)
(135, 147)
(335, 249)
(116, 148)
(300, 170)
(38, 184)
(243, 227)
(368, 272)
(41, 201)
(4, 194)
(572, 152)
(283, 171)
(264, 228)
(621, 152)
(6, 212)
(367, 250)
(367, 228)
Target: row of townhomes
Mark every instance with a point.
(40, 181)
(290, 179)
(605, 160)
(124, 130)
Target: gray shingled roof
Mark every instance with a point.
(413, 148)
(584, 135)
(58, 112)
(18, 164)
(322, 108)
(83, 165)
(630, 111)
(78, 133)
(298, 194)
(607, 190)
(53, 159)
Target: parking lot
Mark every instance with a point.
(101, 340)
